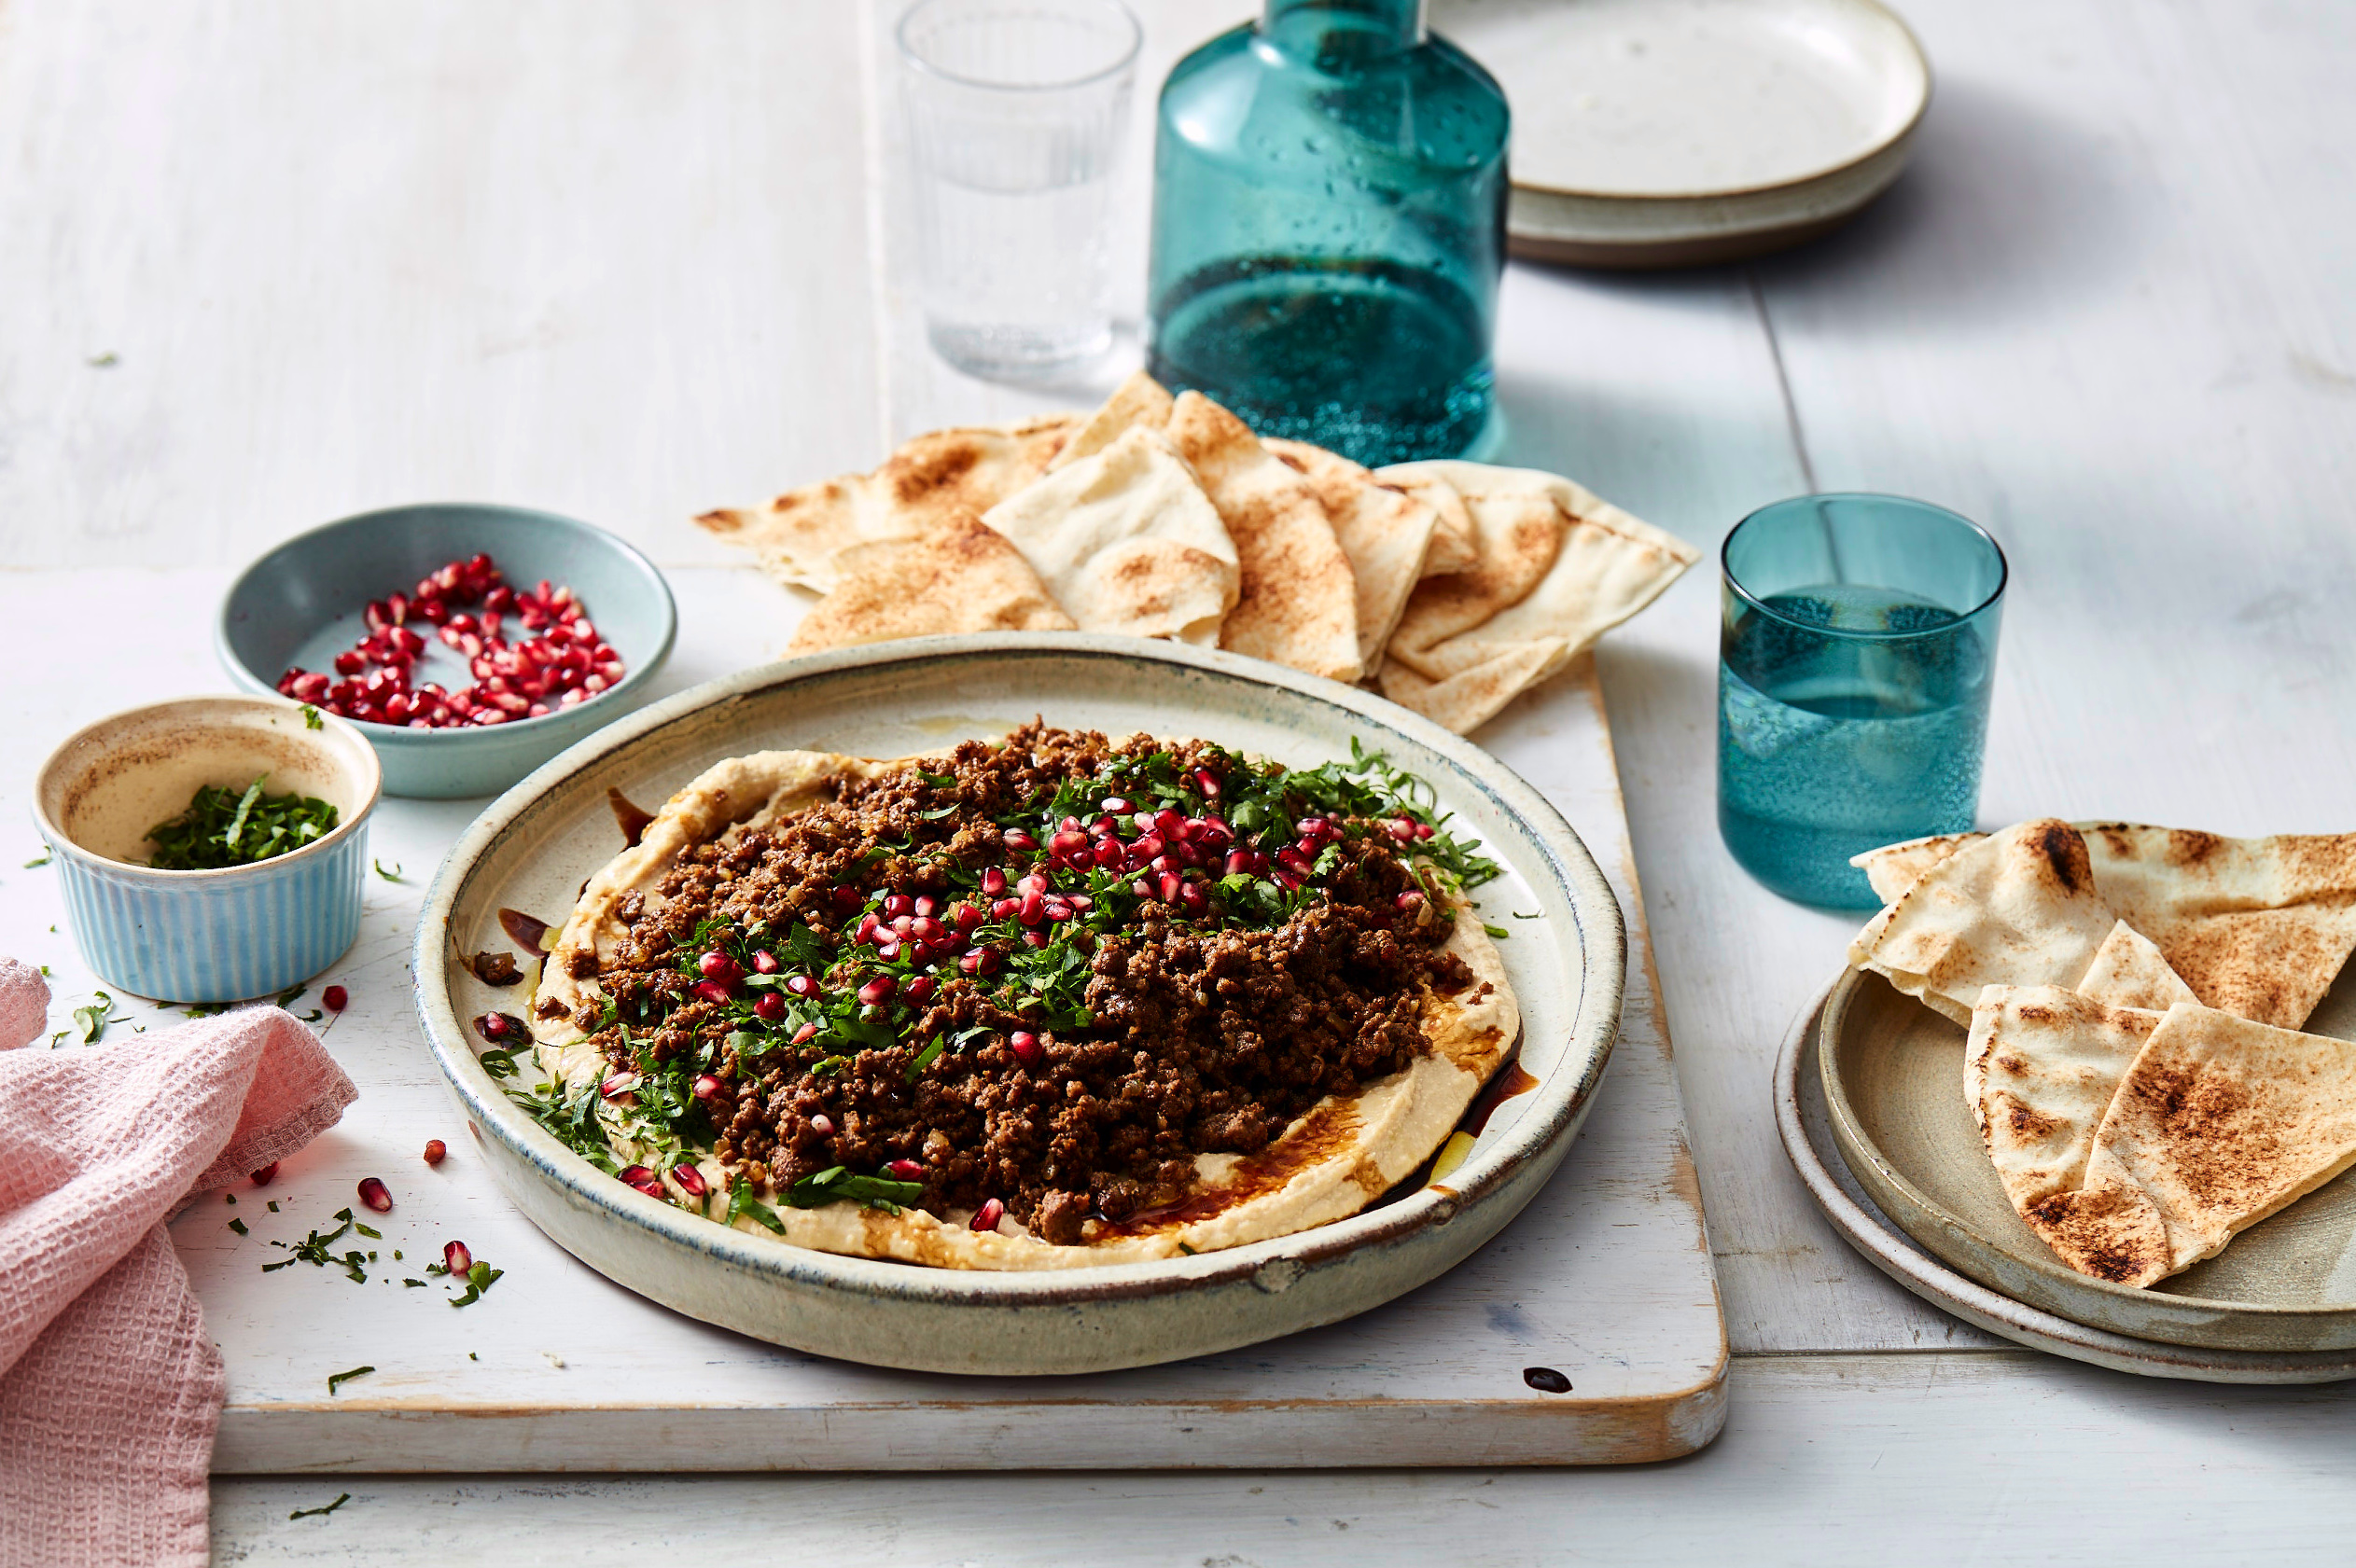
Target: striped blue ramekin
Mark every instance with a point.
(224, 935)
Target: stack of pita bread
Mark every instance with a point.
(1452, 586)
(2134, 996)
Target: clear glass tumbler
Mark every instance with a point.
(1854, 660)
(1016, 110)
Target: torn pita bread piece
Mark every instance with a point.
(800, 537)
(2130, 971)
(2016, 908)
(2039, 1071)
(1126, 541)
(1298, 603)
(2256, 927)
(1893, 867)
(1139, 402)
(2219, 1122)
(1558, 567)
(1385, 530)
(953, 574)
(1452, 547)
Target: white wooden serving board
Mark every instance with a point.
(1607, 1277)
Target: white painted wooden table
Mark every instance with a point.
(629, 259)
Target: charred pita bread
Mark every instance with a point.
(2219, 1122)
(1127, 542)
(800, 537)
(1385, 531)
(2039, 1071)
(1297, 604)
(953, 574)
(2130, 971)
(1333, 1160)
(2255, 926)
(1558, 567)
(2016, 908)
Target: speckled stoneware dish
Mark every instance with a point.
(301, 605)
(1675, 132)
(532, 850)
(1806, 1129)
(220, 935)
(1893, 1087)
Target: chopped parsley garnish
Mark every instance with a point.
(838, 1185)
(91, 1020)
(392, 876)
(341, 1498)
(310, 717)
(39, 860)
(335, 1379)
(313, 1249)
(224, 827)
(238, 1226)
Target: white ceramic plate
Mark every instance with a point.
(1670, 132)
(1806, 1128)
(533, 848)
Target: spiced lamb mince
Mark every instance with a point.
(1051, 1002)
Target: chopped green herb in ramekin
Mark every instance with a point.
(224, 826)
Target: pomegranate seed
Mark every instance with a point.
(979, 961)
(1018, 840)
(455, 1259)
(926, 929)
(619, 1085)
(1238, 863)
(1162, 863)
(846, 900)
(1206, 783)
(802, 985)
(877, 991)
(823, 1125)
(897, 905)
(1142, 888)
(919, 990)
(888, 948)
(1402, 828)
(1025, 1047)
(1032, 909)
(335, 999)
(635, 1174)
(1034, 939)
(770, 1008)
(906, 1169)
(1032, 883)
(373, 1193)
(691, 1180)
(1109, 853)
(712, 991)
(806, 1033)
(1194, 898)
(1425, 830)
(989, 1214)
(436, 1151)
(1081, 901)
(927, 905)
(1167, 822)
(1169, 886)
(350, 662)
(1146, 847)
(397, 607)
(1409, 901)
(993, 881)
(965, 917)
(1057, 909)
(717, 965)
(1068, 844)
(706, 1086)
(1004, 909)
(496, 1027)
(1285, 880)
(1117, 804)
(266, 1175)
(764, 961)
(1213, 832)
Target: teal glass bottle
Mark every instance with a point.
(1329, 230)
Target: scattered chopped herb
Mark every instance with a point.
(341, 1498)
(205, 1010)
(925, 1058)
(274, 1205)
(39, 860)
(336, 1378)
(392, 876)
(471, 1357)
(230, 1199)
(107, 361)
(1186, 1250)
(415, 1285)
(741, 1201)
(223, 827)
(837, 1184)
(371, 1235)
(239, 1225)
(47, 973)
(313, 1249)
(500, 1064)
(478, 1279)
(289, 996)
(1496, 931)
(1518, 915)
(310, 717)
(89, 1022)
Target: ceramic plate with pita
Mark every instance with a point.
(1891, 1069)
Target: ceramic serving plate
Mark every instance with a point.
(537, 843)
(1806, 1129)
(1674, 132)
(1892, 1072)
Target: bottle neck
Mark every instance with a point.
(1343, 33)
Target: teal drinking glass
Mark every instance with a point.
(1329, 230)
(1855, 657)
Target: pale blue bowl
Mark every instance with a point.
(301, 603)
(220, 935)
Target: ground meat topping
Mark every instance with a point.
(1050, 973)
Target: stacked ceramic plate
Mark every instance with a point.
(1870, 1103)
(1671, 132)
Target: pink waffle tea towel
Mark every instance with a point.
(109, 1389)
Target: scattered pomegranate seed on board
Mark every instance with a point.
(373, 1193)
(267, 1175)
(436, 1151)
(335, 999)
